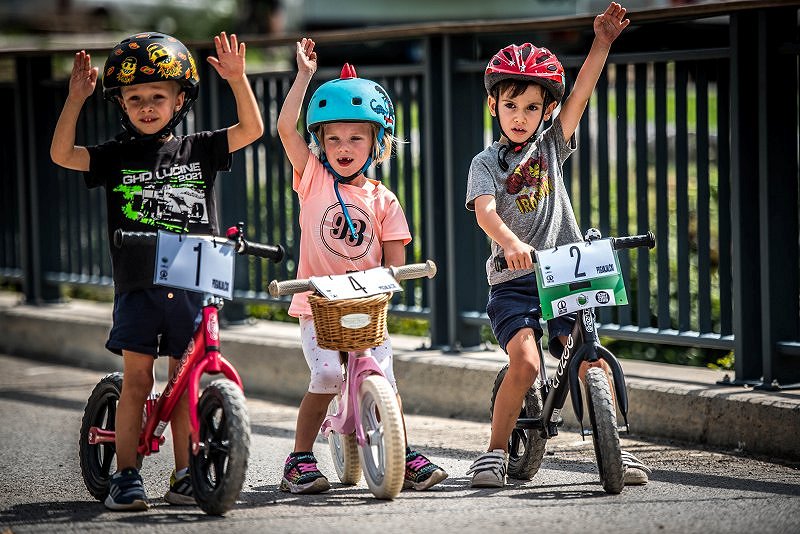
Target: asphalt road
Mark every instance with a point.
(691, 489)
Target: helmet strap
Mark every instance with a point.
(512, 146)
(165, 132)
(339, 179)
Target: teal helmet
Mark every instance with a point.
(351, 99)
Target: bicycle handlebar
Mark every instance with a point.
(617, 243)
(404, 272)
(241, 246)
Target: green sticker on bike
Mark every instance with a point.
(577, 276)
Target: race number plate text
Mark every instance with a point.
(356, 284)
(195, 263)
(576, 262)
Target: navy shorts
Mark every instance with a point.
(514, 305)
(157, 321)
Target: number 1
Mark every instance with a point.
(199, 249)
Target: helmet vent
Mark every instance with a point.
(542, 58)
(356, 100)
(323, 103)
(508, 55)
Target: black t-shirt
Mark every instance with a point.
(152, 185)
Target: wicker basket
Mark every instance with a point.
(350, 324)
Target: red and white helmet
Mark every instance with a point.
(528, 63)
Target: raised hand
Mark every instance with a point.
(306, 57)
(230, 60)
(83, 79)
(608, 25)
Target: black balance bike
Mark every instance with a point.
(540, 414)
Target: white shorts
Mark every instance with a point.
(326, 371)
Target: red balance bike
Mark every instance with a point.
(220, 425)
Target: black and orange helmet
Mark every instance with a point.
(151, 57)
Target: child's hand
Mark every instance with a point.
(306, 57)
(83, 79)
(608, 25)
(230, 61)
(518, 255)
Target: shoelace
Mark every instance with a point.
(417, 463)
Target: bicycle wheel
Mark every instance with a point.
(526, 447)
(219, 468)
(344, 451)
(383, 456)
(603, 417)
(98, 462)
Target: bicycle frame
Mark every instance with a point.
(201, 357)
(583, 344)
(359, 365)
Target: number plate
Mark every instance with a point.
(578, 276)
(356, 284)
(195, 263)
(577, 262)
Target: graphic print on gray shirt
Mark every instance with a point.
(531, 197)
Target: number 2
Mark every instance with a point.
(577, 262)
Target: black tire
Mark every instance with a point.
(98, 462)
(218, 469)
(603, 417)
(526, 447)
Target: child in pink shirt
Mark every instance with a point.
(348, 222)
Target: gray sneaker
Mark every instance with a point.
(635, 471)
(126, 491)
(489, 470)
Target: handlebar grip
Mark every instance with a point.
(270, 252)
(126, 239)
(634, 241)
(289, 287)
(501, 264)
(414, 270)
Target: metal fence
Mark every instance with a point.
(692, 133)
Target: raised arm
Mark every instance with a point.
(293, 143)
(82, 82)
(607, 27)
(230, 65)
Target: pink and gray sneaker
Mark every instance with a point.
(421, 473)
(300, 474)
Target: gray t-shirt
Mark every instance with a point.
(531, 197)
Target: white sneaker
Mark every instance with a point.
(489, 470)
(635, 471)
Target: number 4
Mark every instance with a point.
(356, 285)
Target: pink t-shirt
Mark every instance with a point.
(326, 246)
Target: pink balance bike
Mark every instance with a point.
(220, 425)
(364, 423)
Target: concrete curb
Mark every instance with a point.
(666, 401)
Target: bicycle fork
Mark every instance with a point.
(358, 366)
(567, 380)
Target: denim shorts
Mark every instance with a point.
(514, 305)
(156, 321)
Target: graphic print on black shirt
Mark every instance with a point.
(170, 199)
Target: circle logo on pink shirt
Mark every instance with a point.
(336, 236)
